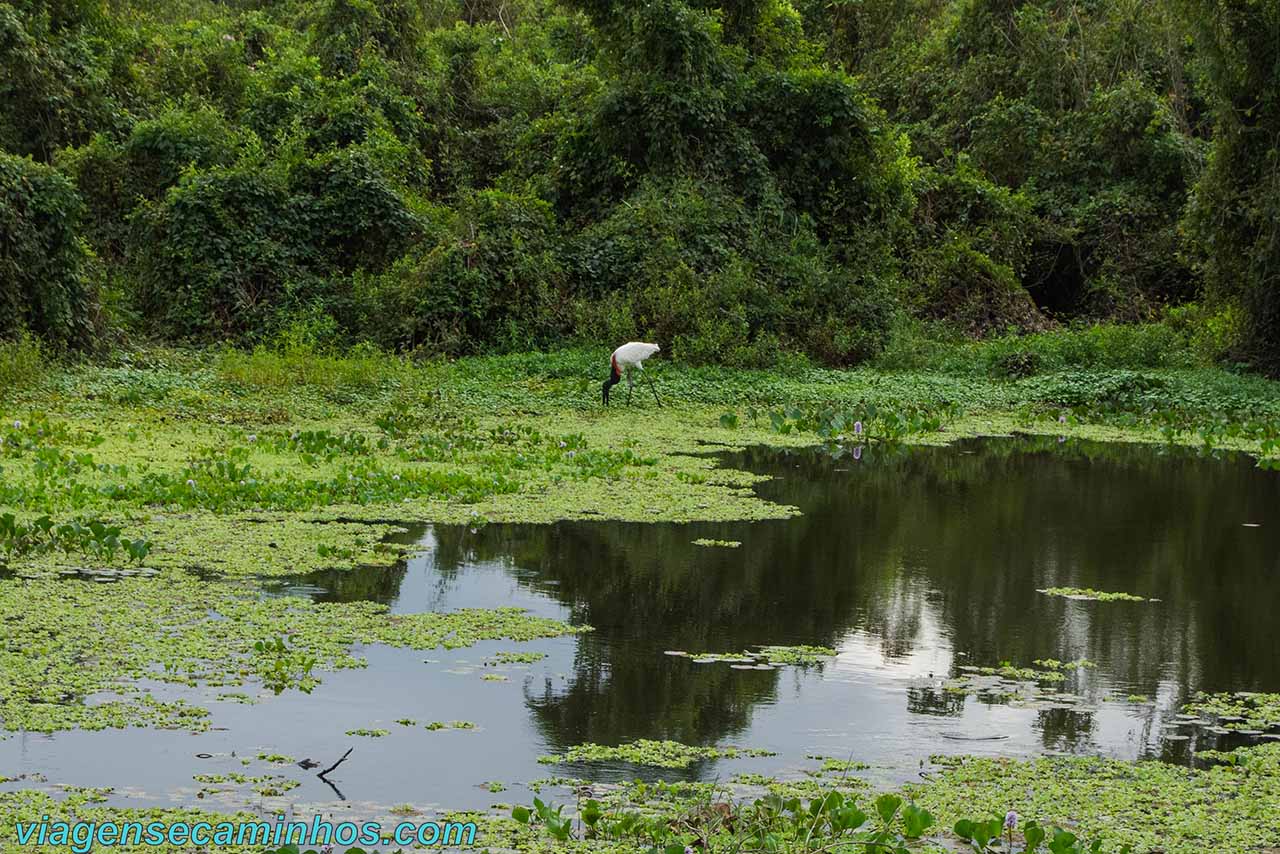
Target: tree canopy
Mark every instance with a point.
(737, 179)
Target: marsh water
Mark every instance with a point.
(911, 563)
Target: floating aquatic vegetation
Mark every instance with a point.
(1088, 593)
(796, 654)
(536, 786)
(829, 821)
(1054, 664)
(1007, 670)
(1152, 806)
(280, 667)
(274, 787)
(1240, 711)
(276, 758)
(1026, 687)
(764, 658)
(832, 765)
(267, 785)
(368, 733)
(725, 544)
(89, 638)
(661, 754)
(516, 657)
(92, 537)
(436, 725)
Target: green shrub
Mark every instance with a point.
(218, 253)
(972, 292)
(1212, 334)
(345, 29)
(230, 250)
(1233, 216)
(159, 149)
(44, 286)
(58, 74)
(349, 211)
(691, 266)
(491, 277)
(113, 177)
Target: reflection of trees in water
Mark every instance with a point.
(988, 528)
(1068, 730)
(902, 546)
(935, 701)
(367, 583)
(646, 589)
(621, 696)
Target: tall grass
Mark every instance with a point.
(1101, 346)
(22, 365)
(303, 354)
(362, 367)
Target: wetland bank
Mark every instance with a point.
(493, 592)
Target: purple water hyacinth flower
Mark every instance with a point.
(1010, 820)
(857, 428)
(857, 453)
(1062, 419)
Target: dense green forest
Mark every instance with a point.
(734, 179)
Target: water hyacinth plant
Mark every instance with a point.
(828, 822)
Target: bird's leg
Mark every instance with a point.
(631, 384)
(653, 389)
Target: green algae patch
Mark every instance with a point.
(108, 641)
(723, 544)
(659, 754)
(1089, 594)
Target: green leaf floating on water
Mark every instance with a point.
(660, 754)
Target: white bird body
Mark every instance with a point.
(632, 355)
(627, 357)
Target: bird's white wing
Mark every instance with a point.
(634, 352)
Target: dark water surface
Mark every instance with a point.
(912, 564)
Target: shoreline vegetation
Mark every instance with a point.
(243, 454)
